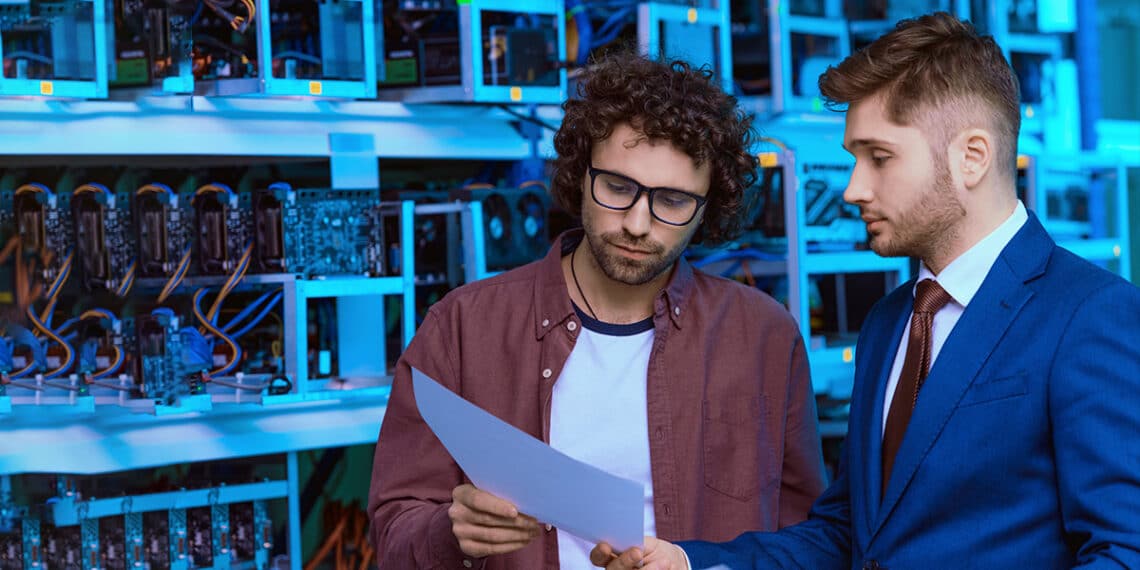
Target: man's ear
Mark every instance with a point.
(975, 149)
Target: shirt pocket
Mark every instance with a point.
(736, 458)
(1002, 388)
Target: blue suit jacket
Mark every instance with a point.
(1024, 447)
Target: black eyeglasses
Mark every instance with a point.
(668, 205)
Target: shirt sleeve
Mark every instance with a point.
(412, 473)
(802, 480)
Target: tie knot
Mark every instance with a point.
(930, 297)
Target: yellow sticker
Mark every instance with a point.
(47, 88)
(315, 88)
(692, 15)
(516, 94)
(848, 354)
(1116, 250)
(768, 159)
(1029, 112)
(1022, 161)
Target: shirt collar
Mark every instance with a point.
(964, 276)
(552, 302)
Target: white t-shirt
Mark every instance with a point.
(598, 414)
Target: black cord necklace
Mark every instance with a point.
(574, 274)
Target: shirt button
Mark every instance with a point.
(549, 527)
(668, 510)
(571, 326)
(545, 322)
(677, 311)
(467, 564)
(547, 373)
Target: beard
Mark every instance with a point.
(624, 269)
(929, 226)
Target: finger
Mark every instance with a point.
(601, 555)
(482, 549)
(488, 503)
(460, 513)
(492, 535)
(472, 498)
(628, 560)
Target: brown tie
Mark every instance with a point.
(929, 298)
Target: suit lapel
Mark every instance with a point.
(878, 355)
(1002, 296)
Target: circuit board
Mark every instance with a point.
(333, 232)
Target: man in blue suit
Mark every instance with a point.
(995, 419)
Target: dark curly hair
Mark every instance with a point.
(669, 101)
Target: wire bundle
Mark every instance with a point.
(238, 23)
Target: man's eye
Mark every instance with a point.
(672, 200)
(620, 187)
(879, 160)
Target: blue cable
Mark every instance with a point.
(197, 13)
(612, 28)
(741, 254)
(68, 323)
(268, 307)
(244, 313)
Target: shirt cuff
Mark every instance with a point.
(688, 565)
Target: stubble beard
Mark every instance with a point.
(928, 227)
(623, 269)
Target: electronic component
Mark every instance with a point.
(163, 231)
(829, 223)
(63, 547)
(11, 548)
(224, 54)
(104, 247)
(160, 373)
(157, 549)
(461, 51)
(436, 235)
(153, 44)
(322, 48)
(54, 48)
(315, 232)
(112, 544)
(222, 219)
(752, 63)
(200, 537)
(514, 223)
(44, 227)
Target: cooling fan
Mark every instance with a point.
(533, 239)
(514, 223)
(498, 229)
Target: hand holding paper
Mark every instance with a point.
(485, 524)
(540, 481)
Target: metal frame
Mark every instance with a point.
(1110, 248)
(298, 292)
(96, 88)
(781, 25)
(829, 362)
(371, 36)
(471, 88)
(650, 15)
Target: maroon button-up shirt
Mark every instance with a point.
(733, 435)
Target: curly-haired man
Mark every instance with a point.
(613, 349)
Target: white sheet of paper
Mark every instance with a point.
(542, 482)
